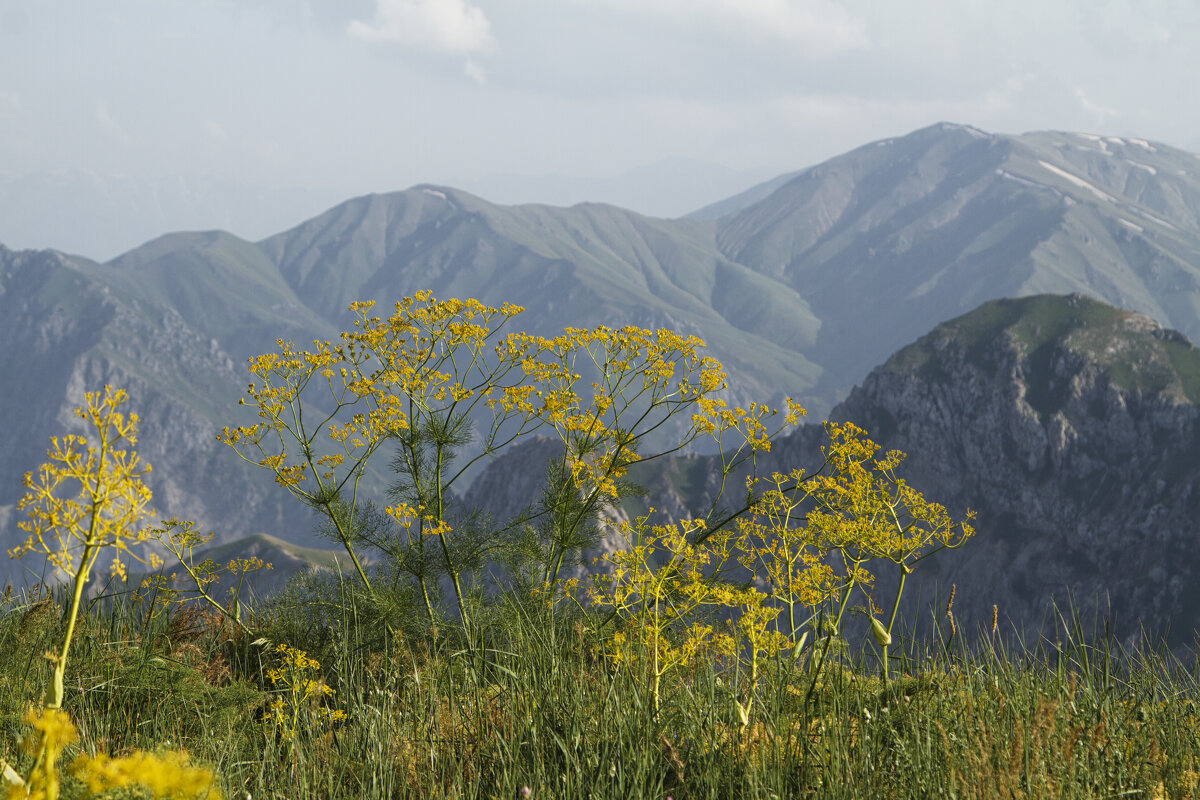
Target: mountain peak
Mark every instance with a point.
(1071, 428)
(1049, 340)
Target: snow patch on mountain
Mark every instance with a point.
(1080, 182)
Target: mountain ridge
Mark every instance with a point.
(800, 292)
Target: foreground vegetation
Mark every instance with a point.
(533, 706)
(743, 651)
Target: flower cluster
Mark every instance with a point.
(166, 774)
(89, 495)
(298, 680)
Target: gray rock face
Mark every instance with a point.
(1071, 429)
(66, 334)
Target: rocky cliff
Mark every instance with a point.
(1070, 427)
(67, 332)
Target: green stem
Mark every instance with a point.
(56, 692)
(425, 597)
(451, 567)
(345, 539)
(837, 624)
(892, 620)
(200, 587)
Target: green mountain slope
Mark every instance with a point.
(581, 266)
(903, 233)
(222, 286)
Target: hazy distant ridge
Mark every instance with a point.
(800, 288)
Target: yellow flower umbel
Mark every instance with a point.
(87, 497)
(52, 731)
(300, 685)
(168, 774)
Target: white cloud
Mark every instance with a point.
(109, 125)
(215, 132)
(1101, 112)
(474, 71)
(1010, 93)
(444, 26)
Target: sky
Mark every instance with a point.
(337, 98)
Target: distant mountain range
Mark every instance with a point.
(799, 286)
(672, 187)
(101, 215)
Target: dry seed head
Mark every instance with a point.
(995, 615)
(953, 626)
(950, 600)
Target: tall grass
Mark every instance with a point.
(531, 709)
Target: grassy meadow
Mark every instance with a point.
(531, 710)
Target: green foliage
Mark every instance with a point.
(542, 707)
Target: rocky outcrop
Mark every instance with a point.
(1070, 427)
(67, 333)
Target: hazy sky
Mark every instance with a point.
(374, 95)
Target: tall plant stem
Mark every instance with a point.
(837, 626)
(56, 690)
(904, 570)
(344, 537)
(451, 567)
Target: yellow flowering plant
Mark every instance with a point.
(181, 538)
(87, 497)
(655, 587)
(297, 679)
(414, 379)
(663, 588)
(811, 537)
(805, 538)
(166, 774)
(774, 546)
(424, 377)
(865, 512)
(52, 732)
